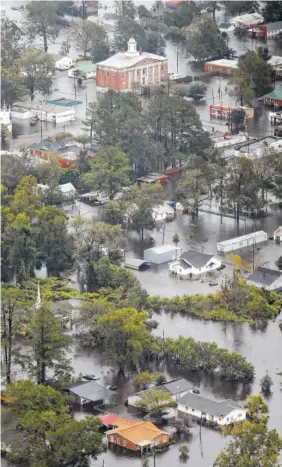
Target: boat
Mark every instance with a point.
(90, 377)
(213, 283)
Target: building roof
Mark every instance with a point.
(274, 26)
(249, 236)
(278, 231)
(159, 250)
(126, 60)
(90, 390)
(265, 276)
(141, 433)
(176, 386)
(224, 62)
(208, 406)
(115, 420)
(195, 258)
(276, 94)
(275, 60)
(67, 188)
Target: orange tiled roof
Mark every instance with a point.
(139, 432)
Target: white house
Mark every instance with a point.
(5, 114)
(63, 63)
(163, 212)
(277, 235)
(193, 263)
(195, 407)
(162, 254)
(68, 190)
(177, 388)
(269, 279)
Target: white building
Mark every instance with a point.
(163, 213)
(5, 117)
(236, 243)
(195, 407)
(68, 190)
(176, 388)
(162, 254)
(277, 235)
(247, 19)
(269, 279)
(193, 263)
(63, 63)
(44, 112)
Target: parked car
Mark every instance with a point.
(91, 377)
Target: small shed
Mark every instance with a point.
(137, 264)
(278, 235)
(162, 254)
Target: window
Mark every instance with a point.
(102, 73)
(111, 439)
(144, 71)
(123, 75)
(124, 443)
(162, 68)
(193, 410)
(143, 81)
(107, 74)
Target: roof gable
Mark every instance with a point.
(139, 432)
(195, 258)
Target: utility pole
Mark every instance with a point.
(177, 58)
(164, 227)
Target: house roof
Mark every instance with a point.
(278, 231)
(159, 250)
(67, 188)
(274, 26)
(276, 94)
(90, 390)
(224, 62)
(265, 276)
(126, 60)
(195, 258)
(113, 419)
(141, 433)
(176, 386)
(208, 406)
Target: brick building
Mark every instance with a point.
(125, 71)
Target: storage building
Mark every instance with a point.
(162, 254)
(236, 243)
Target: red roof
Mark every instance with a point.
(108, 419)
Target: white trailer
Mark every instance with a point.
(244, 241)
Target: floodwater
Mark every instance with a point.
(262, 347)
(64, 86)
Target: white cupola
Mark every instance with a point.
(132, 46)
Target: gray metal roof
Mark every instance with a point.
(195, 258)
(274, 26)
(177, 386)
(90, 390)
(208, 406)
(264, 276)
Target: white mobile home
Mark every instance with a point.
(195, 407)
(236, 243)
(162, 254)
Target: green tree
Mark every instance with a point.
(252, 444)
(14, 304)
(235, 8)
(272, 11)
(49, 431)
(257, 410)
(155, 401)
(125, 337)
(264, 53)
(241, 187)
(47, 345)
(91, 38)
(190, 190)
(42, 20)
(94, 241)
(182, 15)
(12, 86)
(241, 89)
(11, 36)
(256, 73)
(5, 133)
(206, 42)
(143, 12)
(265, 384)
(109, 172)
(184, 449)
(143, 379)
(143, 199)
(37, 69)
(125, 9)
(197, 90)
(54, 243)
(238, 118)
(127, 28)
(114, 213)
